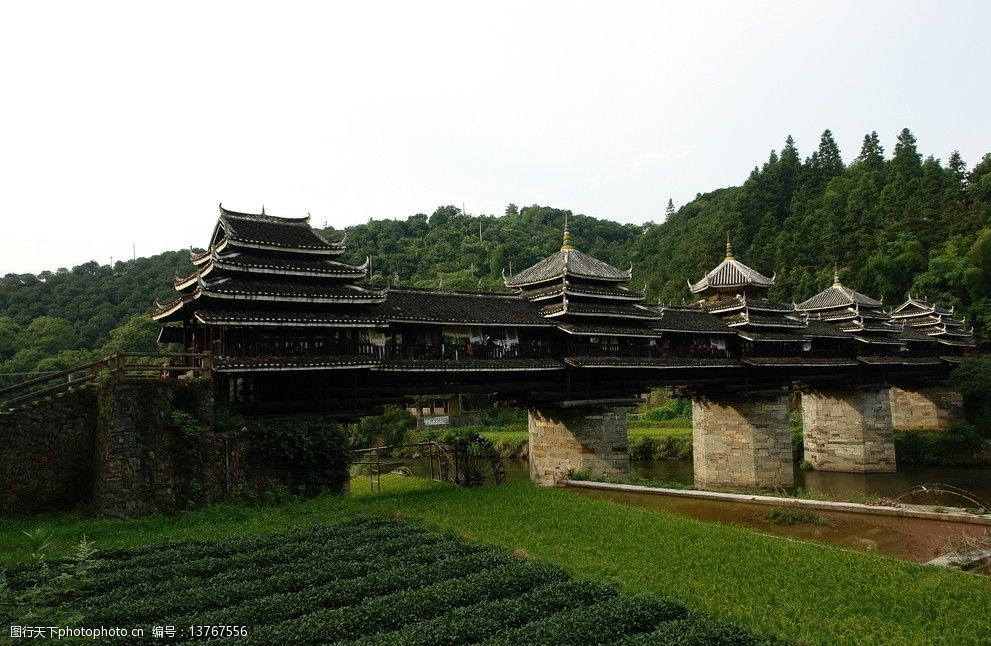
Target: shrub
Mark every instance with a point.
(962, 444)
(313, 455)
(790, 516)
(388, 429)
(973, 378)
(674, 408)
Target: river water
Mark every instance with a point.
(836, 486)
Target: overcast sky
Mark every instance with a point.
(127, 123)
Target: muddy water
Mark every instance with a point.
(909, 538)
(836, 486)
(849, 486)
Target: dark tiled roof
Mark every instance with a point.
(315, 266)
(731, 273)
(800, 361)
(483, 365)
(633, 362)
(878, 340)
(268, 364)
(917, 306)
(899, 361)
(957, 342)
(600, 309)
(821, 329)
(909, 333)
(571, 263)
(764, 321)
(295, 291)
(752, 335)
(953, 360)
(837, 296)
(689, 319)
(265, 230)
(467, 308)
(280, 318)
(608, 330)
(601, 291)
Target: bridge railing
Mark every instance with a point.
(465, 352)
(120, 365)
(660, 351)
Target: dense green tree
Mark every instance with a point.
(138, 334)
(871, 154)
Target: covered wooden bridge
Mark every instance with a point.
(293, 329)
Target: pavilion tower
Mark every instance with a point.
(260, 270)
(736, 293)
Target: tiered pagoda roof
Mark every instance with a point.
(855, 314)
(934, 321)
(583, 295)
(730, 277)
(734, 292)
(257, 260)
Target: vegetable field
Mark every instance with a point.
(367, 580)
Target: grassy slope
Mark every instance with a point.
(772, 585)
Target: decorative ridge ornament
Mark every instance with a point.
(566, 246)
(729, 247)
(836, 276)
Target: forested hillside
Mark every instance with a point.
(892, 222)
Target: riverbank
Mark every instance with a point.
(919, 533)
(777, 587)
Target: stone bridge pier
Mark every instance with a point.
(933, 408)
(579, 439)
(741, 441)
(848, 430)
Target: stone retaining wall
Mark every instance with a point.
(117, 450)
(46, 454)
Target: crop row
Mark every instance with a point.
(223, 547)
(599, 623)
(695, 631)
(411, 605)
(116, 568)
(213, 565)
(302, 575)
(319, 560)
(283, 609)
(475, 623)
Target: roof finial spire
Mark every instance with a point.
(567, 236)
(263, 208)
(729, 246)
(836, 276)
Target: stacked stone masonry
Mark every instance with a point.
(741, 442)
(849, 431)
(46, 453)
(925, 409)
(115, 450)
(591, 440)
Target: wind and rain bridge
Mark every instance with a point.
(292, 328)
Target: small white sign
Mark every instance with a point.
(439, 420)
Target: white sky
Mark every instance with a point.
(126, 123)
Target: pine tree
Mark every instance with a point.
(871, 153)
(957, 168)
(830, 161)
(906, 161)
(512, 209)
